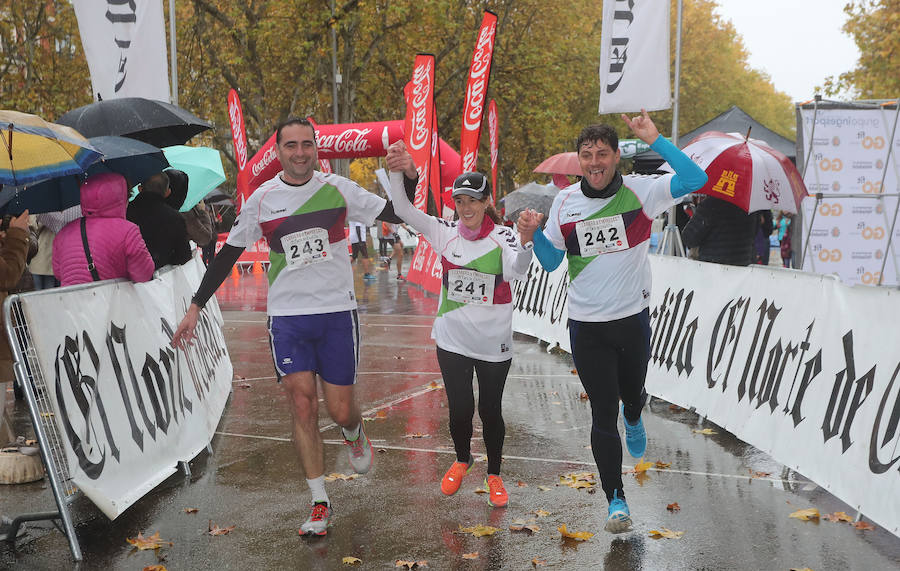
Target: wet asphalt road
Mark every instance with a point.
(396, 512)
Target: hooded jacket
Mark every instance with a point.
(116, 245)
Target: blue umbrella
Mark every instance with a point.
(133, 159)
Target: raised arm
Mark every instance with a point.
(403, 174)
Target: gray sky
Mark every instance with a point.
(797, 42)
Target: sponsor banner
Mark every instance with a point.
(419, 124)
(125, 47)
(238, 130)
(129, 407)
(425, 268)
(476, 92)
(850, 155)
(353, 139)
(493, 135)
(817, 389)
(634, 56)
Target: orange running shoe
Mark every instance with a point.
(453, 477)
(497, 495)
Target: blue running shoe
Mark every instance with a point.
(619, 519)
(635, 436)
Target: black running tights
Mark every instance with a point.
(457, 372)
(611, 359)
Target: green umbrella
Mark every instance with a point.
(203, 167)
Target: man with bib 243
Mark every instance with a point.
(313, 323)
(602, 225)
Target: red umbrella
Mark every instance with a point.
(561, 163)
(746, 172)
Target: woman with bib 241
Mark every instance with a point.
(473, 327)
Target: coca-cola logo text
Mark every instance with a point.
(421, 190)
(348, 141)
(421, 92)
(492, 132)
(237, 131)
(468, 161)
(478, 76)
(267, 157)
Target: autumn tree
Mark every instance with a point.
(875, 27)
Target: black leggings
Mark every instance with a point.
(457, 372)
(611, 358)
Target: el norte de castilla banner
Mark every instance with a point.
(799, 365)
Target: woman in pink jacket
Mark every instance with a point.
(115, 244)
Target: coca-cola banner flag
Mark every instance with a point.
(634, 56)
(238, 131)
(476, 92)
(493, 134)
(417, 128)
(125, 47)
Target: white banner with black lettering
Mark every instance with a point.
(634, 56)
(798, 365)
(129, 407)
(125, 47)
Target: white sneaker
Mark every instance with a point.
(317, 522)
(360, 452)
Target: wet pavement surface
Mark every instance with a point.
(396, 512)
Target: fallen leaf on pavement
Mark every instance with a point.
(155, 568)
(556, 402)
(336, 476)
(838, 516)
(578, 480)
(576, 535)
(479, 530)
(675, 408)
(381, 414)
(528, 525)
(574, 371)
(641, 466)
(706, 431)
(584, 396)
(481, 491)
(245, 385)
(191, 510)
(799, 569)
(214, 529)
(755, 474)
(664, 533)
(538, 562)
(806, 515)
(541, 513)
(641, 478)
(410, 564)
(473, 555)
(398, 357)
(149, 542)
(351, 561)
(660, 465)
(863, 525)
(434, 385)
(417, 435)
(673, 507)
(521, 484)
(544, 488)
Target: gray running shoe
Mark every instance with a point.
(360, 452)
(317, 522)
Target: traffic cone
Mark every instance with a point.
(235, 272)
(257, 267)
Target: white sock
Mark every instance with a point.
(317, 487)
(351, 435)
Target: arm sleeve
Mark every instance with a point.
(362, 205)
(429, 226)
(547, 254)
(688, 174)
(388, 214)
(516, 257)
(216, 273)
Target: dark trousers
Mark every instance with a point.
(611, 359)
(457, 371)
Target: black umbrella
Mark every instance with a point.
(155, 122)
(217, 195)
(134, 160)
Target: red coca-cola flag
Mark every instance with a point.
(238, 131)
(493, 134)
(476, 92)
(417, 128)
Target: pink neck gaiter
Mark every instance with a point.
(486, 226)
